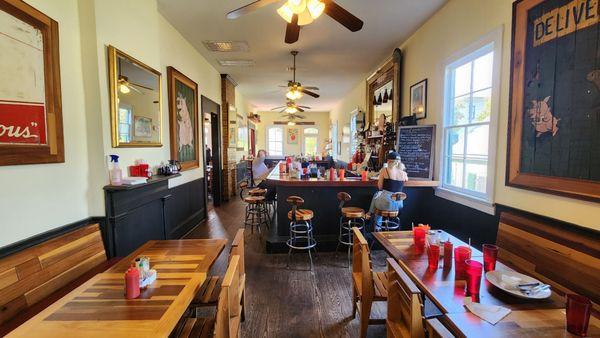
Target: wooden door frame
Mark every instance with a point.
(217, 170)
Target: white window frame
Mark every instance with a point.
(282, 140)
(304, 139)
(353, 128)
(490, 42)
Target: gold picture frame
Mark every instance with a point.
(114, 83)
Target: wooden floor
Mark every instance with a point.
(294, 302)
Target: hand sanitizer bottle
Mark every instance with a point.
(115, 173)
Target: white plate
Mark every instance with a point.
(496, 277)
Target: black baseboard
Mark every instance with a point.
(50, 234)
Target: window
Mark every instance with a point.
(470, 115)
(275, 141)
(353, 139)
(125, 123)
(311, 141)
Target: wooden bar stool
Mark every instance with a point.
(390, 220)
(257, 192)
(301, 235)
(255, 213)
(350, 217)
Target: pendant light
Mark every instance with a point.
(375, 100)
(391, 94)
(385, 97)
(380, 99)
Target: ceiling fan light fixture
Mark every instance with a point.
(291, 110)
(294, 94)
(123, 88)
(291, 123)
(286, 13)
(297, 6)
(305, 18)
(316, 8)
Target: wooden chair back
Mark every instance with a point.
(237, 249)
(343, 197)
(405, 304)
(563, 255)
(229, 309)
(31, 275)
(436, 329)
(361, 265)
(295, 201)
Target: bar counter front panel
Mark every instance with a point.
(320, 196)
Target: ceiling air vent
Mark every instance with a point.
(227, 46)
(236, 63)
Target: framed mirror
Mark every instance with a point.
(383, 91)
(135, 102)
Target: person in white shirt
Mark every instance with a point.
(259, 168)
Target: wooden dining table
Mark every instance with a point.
(529, 318)
(98, 308)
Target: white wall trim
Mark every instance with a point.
(467, 200)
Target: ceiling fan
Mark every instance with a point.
(299, 13)
(291, 108)
(295, 88)
(292, 118)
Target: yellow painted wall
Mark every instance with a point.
(267, 119)
(455, 26)
(38, 198)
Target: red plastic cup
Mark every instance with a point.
(461, 254)
(448, 247)
(342, 174)
(490, 254)
(474, 270)
(363, 176)
(433, 254)
(419, 236)
(579, 309)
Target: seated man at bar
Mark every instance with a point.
(391, 181)
(260, 173)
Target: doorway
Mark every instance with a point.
(211, 115)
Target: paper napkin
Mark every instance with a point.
(490, 313)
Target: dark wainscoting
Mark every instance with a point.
(457, 219)
(152, 212)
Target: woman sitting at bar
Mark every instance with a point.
(391, 181)
(259, 168)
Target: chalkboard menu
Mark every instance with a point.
(416, 147)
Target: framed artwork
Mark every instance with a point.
(183, 119)
(292, 135)
(31, 128)
(142, 126)
(554, 118)
(418, 99)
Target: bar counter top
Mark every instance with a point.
(285, 180)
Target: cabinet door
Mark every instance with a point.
(138, 226)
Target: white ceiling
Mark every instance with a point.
(331, 57)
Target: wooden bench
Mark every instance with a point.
(562, 255)
(36, 277)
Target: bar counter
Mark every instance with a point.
(320, 196)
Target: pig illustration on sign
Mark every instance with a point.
(542, 118)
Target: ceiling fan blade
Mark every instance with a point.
(292, 32)
(249, 8)
(310, 88)
(309, 93)
(279, 107)
(282, 111)
(300, 110)
(339, 14)
(300, 117)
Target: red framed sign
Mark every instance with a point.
(30, 96)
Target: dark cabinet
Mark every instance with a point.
(152, 211)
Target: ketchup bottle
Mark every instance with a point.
(132, 283)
